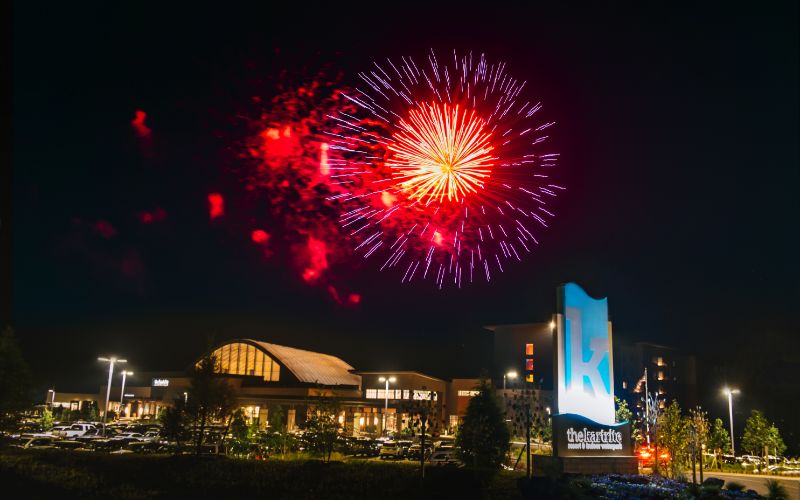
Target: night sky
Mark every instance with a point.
(677, 130)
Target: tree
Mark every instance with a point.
(528, 419)
(698, 429)
(673, 435)
(278, 430)
(210, 398)
(322, 425)
(651, 418)
(623, 413)
(483, 437)
(239, 428)
(239, 431)
(424, 418)
(718, 440)
(776, 441)
(46, 420)
(757, 436)
(15, 379)
(173, 421)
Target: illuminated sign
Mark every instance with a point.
(577, 436)
(585, 364)
(129, 395)
(584, 425)
(160, 382)
(468, 394)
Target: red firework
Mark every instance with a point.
(449, 165)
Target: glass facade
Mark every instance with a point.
(244, 359)
(391, 393)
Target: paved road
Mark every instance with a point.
(759, 483)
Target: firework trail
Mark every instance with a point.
(448, 164)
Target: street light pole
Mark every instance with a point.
(730, 393)
(122, 391)
(386, 400)
(509, 374)
(110, 360)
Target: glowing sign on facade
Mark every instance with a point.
(585, 365)
(160, 382)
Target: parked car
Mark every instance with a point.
(365, 447)
(75, 430)
(415, 449)
(66, 444)
(38, 443)
(445, 458)
(151, 436)
(56, 430)
(128, 436)
(391, 449)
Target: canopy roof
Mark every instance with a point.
(308, 366)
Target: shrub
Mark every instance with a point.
(734, 486)
(775, 490)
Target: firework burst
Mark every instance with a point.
(448, 166)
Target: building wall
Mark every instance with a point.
(510, 343)
(670, 373)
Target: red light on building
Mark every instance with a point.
(528, 365)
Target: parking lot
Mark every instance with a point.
(146, 438)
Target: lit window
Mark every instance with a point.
(529, 365)
(529, 377)
(660, 375)
(372, 394)
(244, 359)
(624, 385)
(424, 395)
(406, 394)
(453, 421)
(529, 349)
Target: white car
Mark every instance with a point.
(129, 436)
(75, 430)
(390, 449)
(150, 436)
(37, 443)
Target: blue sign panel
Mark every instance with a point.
(585, 376)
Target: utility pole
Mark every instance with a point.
(528, 401)
(646, 406)
(110, 360)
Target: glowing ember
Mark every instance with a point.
(138, 124)
(440, 152)
(317, 259)
(105, 229)
(259, 236)
(149, 216)
(216, 205)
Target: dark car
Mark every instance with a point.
(364, 447)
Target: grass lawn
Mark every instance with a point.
(58, 473)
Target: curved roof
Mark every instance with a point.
(311, 367)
